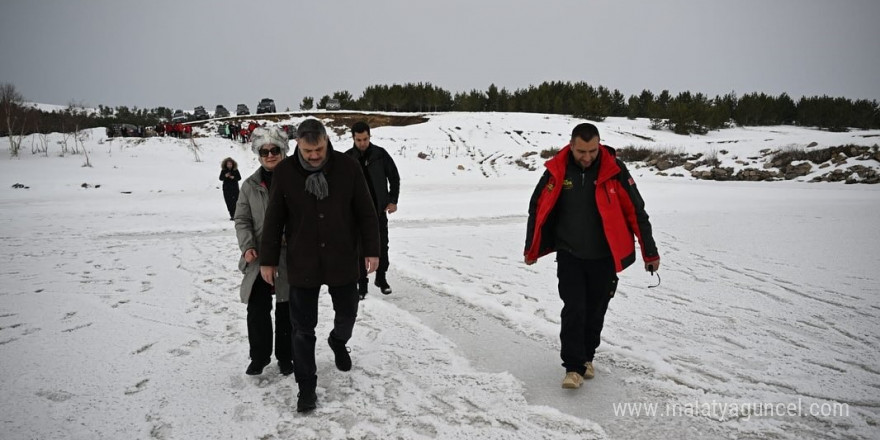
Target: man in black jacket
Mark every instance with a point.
(319, 203)
(384, 183)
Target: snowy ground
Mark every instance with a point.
(119, 312)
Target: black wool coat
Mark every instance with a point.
(322, 235)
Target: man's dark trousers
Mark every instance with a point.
(585, 289)
(304, 315)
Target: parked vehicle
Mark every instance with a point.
(123, 130)
(333, 104)
(242, 110)
(179, 116)
(266, 105)
(221, 112)
(199, 113)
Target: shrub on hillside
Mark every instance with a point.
(548, 153)
(634, 154)
(662, 159)
(787, 156)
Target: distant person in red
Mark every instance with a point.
(230, 176)
(245, 135)
(586, 208)
(188, 130)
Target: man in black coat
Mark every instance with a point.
(319, 203)
(384, 183)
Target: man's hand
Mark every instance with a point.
(268, 273)
(528, 262)
(372, 263)
(250, 255)
(391, 208)
(653, 266)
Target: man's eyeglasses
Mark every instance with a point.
(276, 151)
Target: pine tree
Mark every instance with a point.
(307, 103)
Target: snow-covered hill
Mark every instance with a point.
(493, 143)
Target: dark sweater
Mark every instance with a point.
(266, 177)
(579, 227)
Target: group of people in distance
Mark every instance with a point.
(320, 217)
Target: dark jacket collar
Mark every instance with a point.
(366, 153)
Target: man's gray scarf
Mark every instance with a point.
(316, 183)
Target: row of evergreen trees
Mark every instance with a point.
(684, 113)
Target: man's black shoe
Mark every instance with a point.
(286, 367)
(383, 287)
(306, 400)
(340, 352)
(255, 368)
(382, 283)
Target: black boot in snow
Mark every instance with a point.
(307, 398)
(286, 367)
(382, 284)
(255, 368)
(340, 352)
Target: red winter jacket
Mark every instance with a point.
(620, 206)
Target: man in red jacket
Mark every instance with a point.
(586, 208)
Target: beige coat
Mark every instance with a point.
(250, 213)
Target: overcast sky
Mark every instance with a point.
(182, 54)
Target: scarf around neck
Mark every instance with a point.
(316, 183)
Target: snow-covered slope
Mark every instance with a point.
(119, 312)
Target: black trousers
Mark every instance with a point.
(585, 287)
(304, 315)
(231, 198)
(259, 322)
(383, 240)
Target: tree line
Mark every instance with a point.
(17, 118)
(684, 113)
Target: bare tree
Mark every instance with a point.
(69, 118)
(44, 144)
(12, 105)
(64, 137)
(79, 137)
(195, 149)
